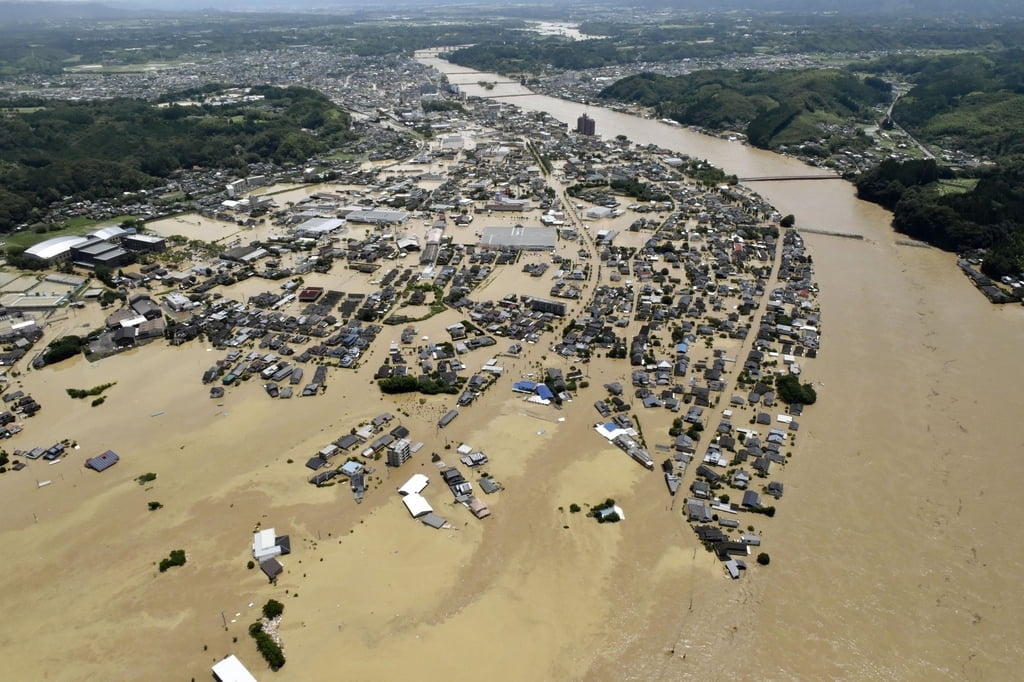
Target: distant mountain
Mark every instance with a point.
(34, 12)
(1002, 9)
(20, 11)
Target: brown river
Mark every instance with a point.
(893, 557)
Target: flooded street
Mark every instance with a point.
(889, 555)
(892, 553)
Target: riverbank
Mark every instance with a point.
(887, 461)
(917, 369)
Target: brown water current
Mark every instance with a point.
(894, 555)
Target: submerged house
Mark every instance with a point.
(102, 462)
(266, 544)
(417, 505)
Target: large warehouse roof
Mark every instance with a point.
(417, 505)
(373, 216)
(57, 246)
(232, 670)
(415, 485)
(320, 225)
(519, 238)
(109, 232)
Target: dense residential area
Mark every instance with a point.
(519, 233)
(566, 331)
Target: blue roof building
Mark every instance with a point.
(524, 386)
(351, 468)
(544, 392)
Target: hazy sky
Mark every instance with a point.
(998, 8)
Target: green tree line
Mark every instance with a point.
(99, 149)
(972, 102)
(988, 217)
(772, 107)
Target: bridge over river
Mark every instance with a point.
(776, 178)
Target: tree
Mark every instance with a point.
(266, 645)
(400, 384)
(105, 275)
(788, 221)
(792, 391)
(764, 559)
(272, 609)
(176, 558)
(62, 349)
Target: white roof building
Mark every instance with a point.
(415, 485)
(178, 301)
(109, 232)
(315, 227)
(232, 670)
(264, 544)
(417, 505)
(133, 321)
(519, 238)
(54, 248)
(358, 214)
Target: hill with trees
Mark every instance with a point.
(98, 149)
(771, 107)
(986, 216)
(973, 102)
(970, 104)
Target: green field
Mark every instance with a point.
(956, 185)
(75, 226)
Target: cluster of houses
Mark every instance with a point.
(18, 333)
(232, 324)
(141, 321)
(788, 331)
(521, 318)
(55, 451)
(621, 433)
(17, 403)
(234, 368)
(372, 440)
(416, 504)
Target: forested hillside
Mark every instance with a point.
(964, 102)
(973, 102)
(92, 149)
(771, 107)
(987, 216)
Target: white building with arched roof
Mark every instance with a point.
(55, 250)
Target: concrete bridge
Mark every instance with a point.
(776, 178)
